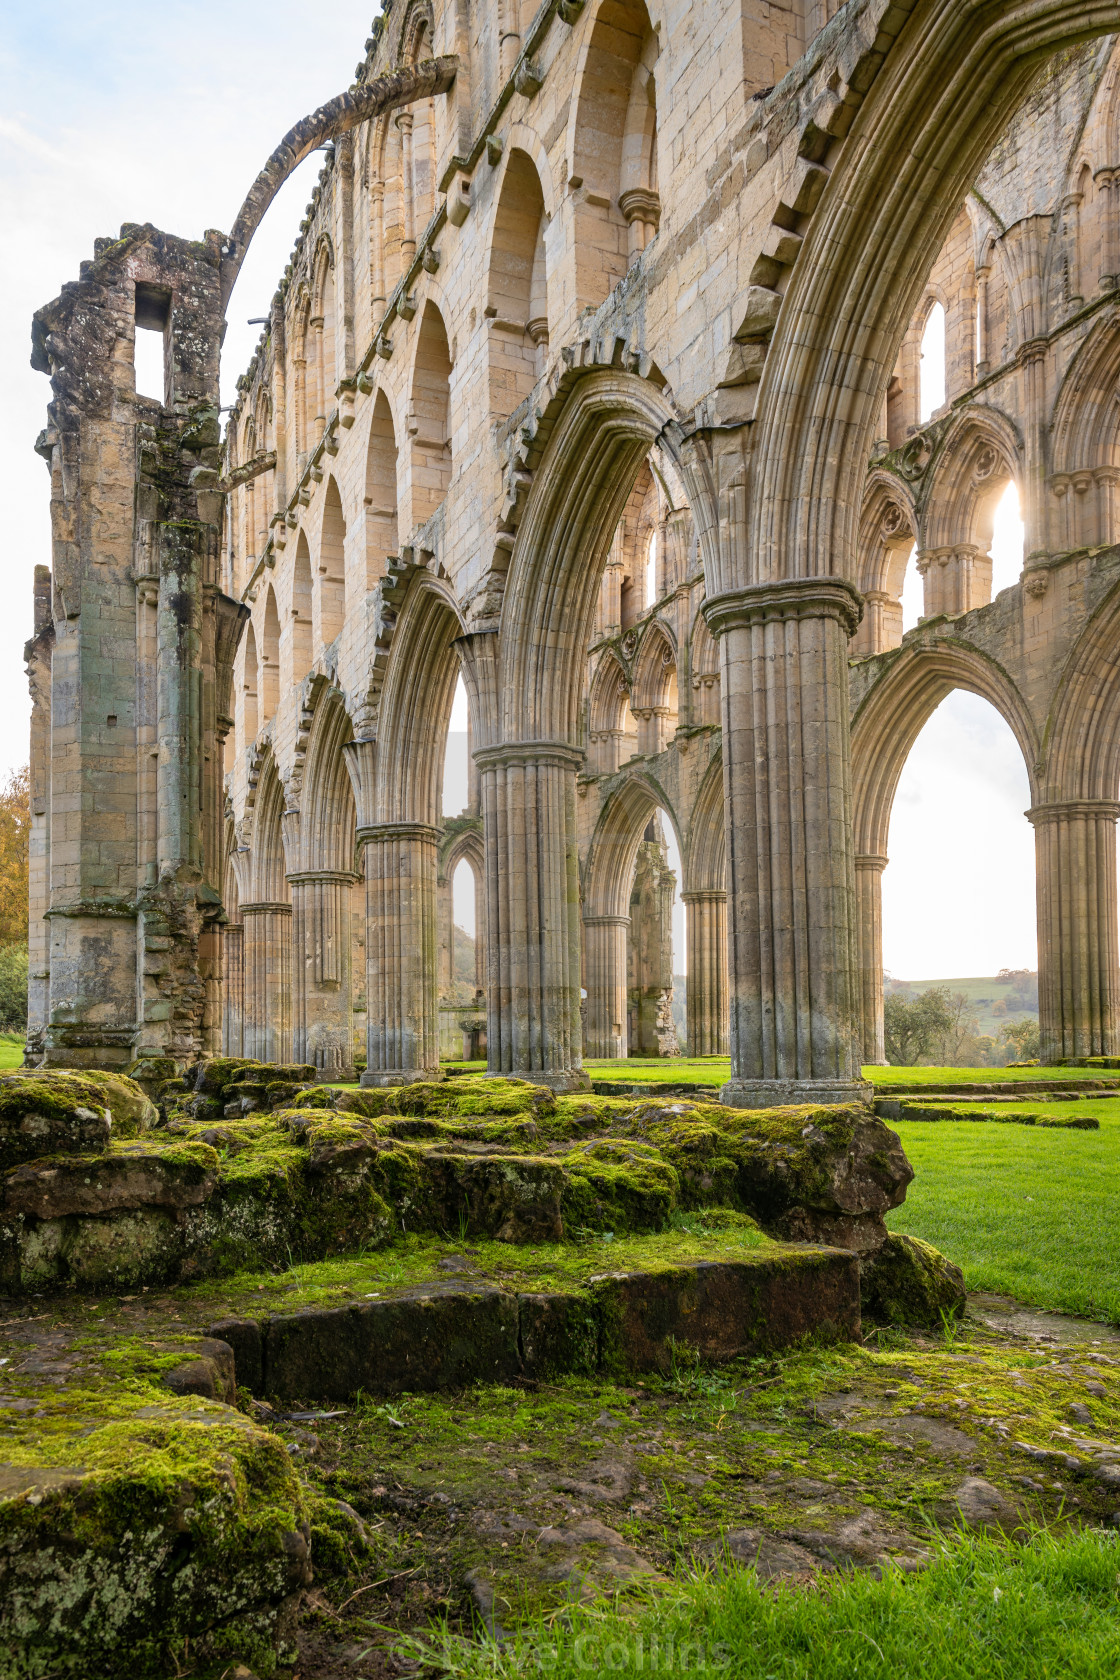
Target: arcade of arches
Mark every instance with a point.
(596, 377)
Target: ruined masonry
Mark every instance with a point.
(594, 377)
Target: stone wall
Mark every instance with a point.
(593, 377)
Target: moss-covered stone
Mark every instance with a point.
(910, 1282)
(54, 1111)
(136, 1525)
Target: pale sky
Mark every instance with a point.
(117, 112)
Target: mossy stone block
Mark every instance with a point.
(909, 1282)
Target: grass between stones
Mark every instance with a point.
(1025, 1211)
(579, 1518)
(982, 1611)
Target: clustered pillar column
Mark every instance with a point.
(1078, 978)
(706, 987)
(402, 992)
(532, 899)
(604, 972)
(267, 1018)
(233, 987)
(321, 942)
(787, 782)
(869, 923)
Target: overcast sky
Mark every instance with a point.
(118, 112)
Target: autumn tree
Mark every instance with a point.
(15, 829)
(913, 1025)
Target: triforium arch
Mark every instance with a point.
(398, 778)
(887, 532)
(980, 453)
(884, 731)
(321, 879)
(627, 941)
(531, 740)
(1084, 504)
(781, 525)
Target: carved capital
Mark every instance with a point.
(786, 598)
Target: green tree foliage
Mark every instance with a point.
(914, 1025)
(13, 988)
(1022, 1038)
(15, 827)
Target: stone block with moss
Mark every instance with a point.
(141, 1530)
(910, 1282)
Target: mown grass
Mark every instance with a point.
(984, 1610)
(716, 1070)
(1026, 1212)
(11, 1050)
(981, 1075)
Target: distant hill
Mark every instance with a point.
(995, 998)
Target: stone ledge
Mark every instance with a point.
(454, 1334)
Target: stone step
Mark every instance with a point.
(447, 1335)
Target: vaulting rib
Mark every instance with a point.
(338, 116)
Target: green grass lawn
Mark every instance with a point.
(11, 1051)
(1027, 1212)
(980, 1075)
(984, 1610)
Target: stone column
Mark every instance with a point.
(869, 914)
(267, 1012)
(408, 193)
(1075, 885)
(323, 1028)
(604, 973)
(1107, 183)
(402, 991)
(787, 781)
(233, 988)
(532, 908)
(706, 987)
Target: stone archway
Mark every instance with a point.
(780, 524)
(528, 767)
(884, 731)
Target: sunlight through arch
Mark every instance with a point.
(960, 846)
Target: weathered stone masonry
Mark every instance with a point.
(587, 291)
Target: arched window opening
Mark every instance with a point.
(332, 567)
(957, 822)
(150, 360)
(458, 766)
(429, 419)
(268, 687)
(249, 725)
(651, 570)
(617, 210)
(381, 492)
(655, 946)
(913, 593)
(518, 287)
(1007, 540)
(323, 327)
(463, 895)
(302, 620)
(416, 127)
(931, 376)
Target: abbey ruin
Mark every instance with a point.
(588, 295)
